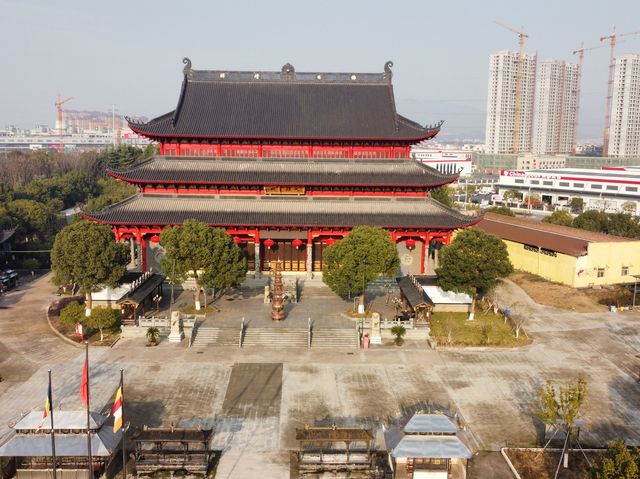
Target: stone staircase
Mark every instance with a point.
(333, 338)
(275, 337)
(212, 336)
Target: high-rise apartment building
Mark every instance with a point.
(624, 127)
(554, 111)
(501, 103)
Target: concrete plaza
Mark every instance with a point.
(255, 398)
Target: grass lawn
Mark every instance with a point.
(487, 329)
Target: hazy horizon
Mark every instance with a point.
(130, 54)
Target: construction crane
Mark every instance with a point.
(518, 110)
(613, 37)
(580, 52)
(59, 104)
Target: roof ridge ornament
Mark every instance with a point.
(387, 70)
(288, 72)
(187, 70)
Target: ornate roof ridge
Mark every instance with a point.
(286, 74)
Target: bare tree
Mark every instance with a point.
(519, 315)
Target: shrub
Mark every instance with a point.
(73, 313)
(398, 332)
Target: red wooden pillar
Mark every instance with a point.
(422, 252)
(116, 232)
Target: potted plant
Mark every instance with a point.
(398, 332)
(153, 334)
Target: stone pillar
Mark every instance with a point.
(132, 250)
(435, 259)
(257, 258)
(177, 333)
(309, 264)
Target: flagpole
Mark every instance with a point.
(86, 359)
(53, 441)
(124, 428)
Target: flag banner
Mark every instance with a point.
(117, 410)
(47, 407)
(84, 384)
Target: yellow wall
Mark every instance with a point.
(611, 256)
(581, 271)
(560, 268)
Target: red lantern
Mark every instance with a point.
(155, 239)
(330, 241)
(297, 243)
(237, 240)
(269, 243)
(411, 243)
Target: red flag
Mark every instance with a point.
(84, 385)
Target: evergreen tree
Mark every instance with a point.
(207, 254)
(87, 254)
(358, 259)
(472, 263)
(560, 217)
(617, 462)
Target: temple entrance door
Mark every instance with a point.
(410, 259)
(293, 259)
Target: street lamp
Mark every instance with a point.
(157, 298)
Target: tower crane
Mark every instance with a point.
(59, 104)
(613, 37)
(518, 110)
(580, 52)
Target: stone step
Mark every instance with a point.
(334, 338)
(273, 337)
(211, 336)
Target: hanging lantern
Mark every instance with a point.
(269, 243)
(237, 240)
(411, 243)
(330, 241)
(297, 243)
(155, 239)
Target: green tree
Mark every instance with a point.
(500, 210)
(110, 191)
(560, 217)
(472, 264)
(443, 194)
(33, 218)
(561, 406)
(398, 331)
(623, 224)
(207, 254)
(576, 205)
(617, 462)
(512, 196)
(358, 259)
(153, 334)
(103, 318)
(591, 220)
(86, 254)
(629, 207)
(73, 313)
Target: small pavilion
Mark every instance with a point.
(430, 449)
(30, 445)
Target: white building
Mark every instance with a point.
(444, 160)
(501, 103)
(624, 126)
(607, 189)
(554, 112)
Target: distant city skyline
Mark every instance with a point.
(129, 54)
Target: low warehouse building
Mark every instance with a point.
(566, 255)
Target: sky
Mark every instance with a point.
(129, 53)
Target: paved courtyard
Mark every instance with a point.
(255, 398)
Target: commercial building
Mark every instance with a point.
(554, 113)
(624, 127)
(446, 161)
(288, 163)
(504, 117)
(570, 256)
(609, 189)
